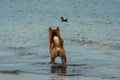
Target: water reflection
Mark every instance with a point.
(59, 69)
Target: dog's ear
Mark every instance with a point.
(49, 33)
(50, 28)
(58, 29)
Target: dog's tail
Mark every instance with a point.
(57, 41)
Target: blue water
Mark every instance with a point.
(91, 37)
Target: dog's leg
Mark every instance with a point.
(52, 59)
(52, 56)
(63, 57)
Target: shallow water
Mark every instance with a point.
(91, 39)
(85, 61)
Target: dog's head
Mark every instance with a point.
(53, 32)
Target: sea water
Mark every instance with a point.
(91, 37)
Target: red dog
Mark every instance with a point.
(56, 45)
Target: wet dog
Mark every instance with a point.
(64, 20)
(56, 45)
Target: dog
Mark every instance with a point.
(64, 20)
(56, 45)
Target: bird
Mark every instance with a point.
(63, 19)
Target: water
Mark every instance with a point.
(91, 39)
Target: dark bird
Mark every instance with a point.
(64, 20)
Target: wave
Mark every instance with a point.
(112, 44)
(10, 71)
